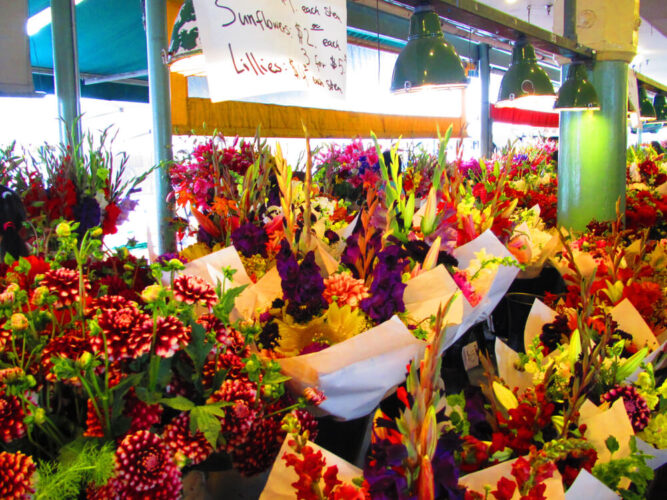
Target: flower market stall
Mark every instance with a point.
(379, 319)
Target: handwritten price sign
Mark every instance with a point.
(257, 47)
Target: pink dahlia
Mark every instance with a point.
(194, 290)
(188, 448)
(16, 476)
(229, 361)
(145, 468)
(240, 416)
(635, 405)
(170, 335)
(108, 302)
(11, 418)
(65, 284)
(227, 338)
(344, 289)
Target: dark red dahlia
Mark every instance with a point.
(216, 361)
(145, 467)
(188, 449)
(194, 290)
(11, 418)
(239, 417)
(259, 451)
(93, 423)
(555, 333)
(64, 283)
(69, 346)
(108, 302)
(119, 327)
(16, 476)
(228, 338)
(170, 335)
(635, 405)
(143, 415)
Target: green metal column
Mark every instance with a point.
(486, 139)
(66, 68)
(158, 85)
(591, 158)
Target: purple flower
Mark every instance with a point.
(445, 471)
(386, 290)
(250, 240)
(87, 213)
(302, 284)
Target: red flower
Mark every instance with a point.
(187, 447)
(16, 476)
(505, 489)
(143, 415)
(37, 266)
(240, 416)
(65, 284)
(11, 418)
(170, 335)
(119, 327)
(111, 213)
(93, 423)
(145, 468)
(194, 290)
(645, 296)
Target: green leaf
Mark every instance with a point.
(631, 365)
(198, 348)
(612, 444)
(205, 422)
(178, 403)
(224, 307)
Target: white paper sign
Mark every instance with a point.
(257, 47)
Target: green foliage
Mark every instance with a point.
(633, 467)
(81, 462)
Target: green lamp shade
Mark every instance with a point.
(427, 61)
(660, 106)
(577, 92)
(646, 109)
(185, 54)
(525, 84)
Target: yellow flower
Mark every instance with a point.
(150, 293)
(19, 321)
(63, 229)
(195, 251)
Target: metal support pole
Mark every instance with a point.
(66, 69)
(591, 159)
(486, 139)
(158, 84)
(570, 19)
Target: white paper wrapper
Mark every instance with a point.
(209, 268)
(589, 487)
(259, 296)
(543, 245)
(491, 475)
(355, 375)
(601, 423)
(659, 456)
(425, 293)
(279, 484)
(507, 359)
(503, 279)
(540, 314)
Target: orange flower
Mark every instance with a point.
(344, 290)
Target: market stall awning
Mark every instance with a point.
(524, 117)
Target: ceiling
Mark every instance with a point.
(651, 59)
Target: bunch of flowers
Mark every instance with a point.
(84, 182)
(120, 373)
(223, 187)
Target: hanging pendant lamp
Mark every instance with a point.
(577, 92)
(428, 61)
(185, 54)
(646, 109)
(660, 106)
(525, 85)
